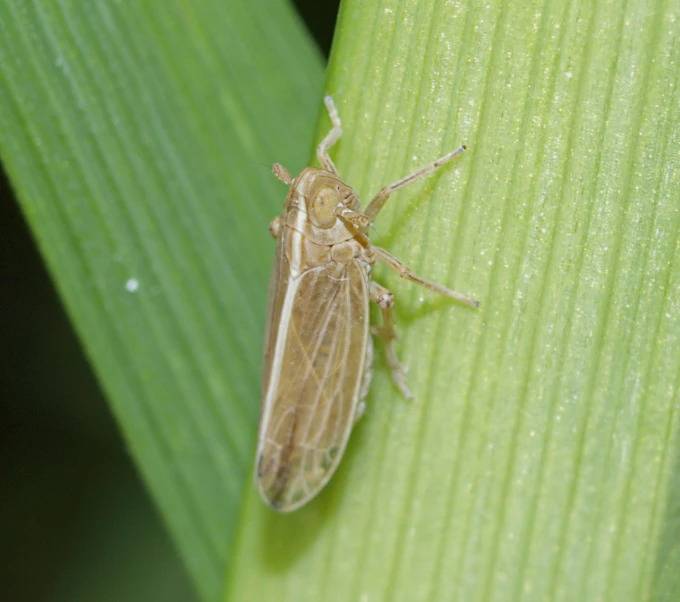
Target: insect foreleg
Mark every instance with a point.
(405, 272)
(331, 138)
(385, 299)
(356, 219)
(274, 226)
(380, 199)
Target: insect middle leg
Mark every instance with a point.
(405, 272)
(385, 299)
(331, 138)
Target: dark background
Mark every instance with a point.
(75, 521)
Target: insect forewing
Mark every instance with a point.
(314, 363)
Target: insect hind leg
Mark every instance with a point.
(385, 299)
(331, 138)
(366, 383)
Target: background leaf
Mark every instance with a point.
(539, 460)
(138, 138)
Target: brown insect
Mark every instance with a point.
(318, 349)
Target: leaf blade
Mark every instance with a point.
(534, 466)
(131, 138)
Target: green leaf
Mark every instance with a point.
(539, 458)
(138, 137)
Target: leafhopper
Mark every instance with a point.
(318, 348)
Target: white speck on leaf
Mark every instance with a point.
(132, 285)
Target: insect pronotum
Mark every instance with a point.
(318, 349)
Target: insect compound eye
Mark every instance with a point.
(323, 207)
